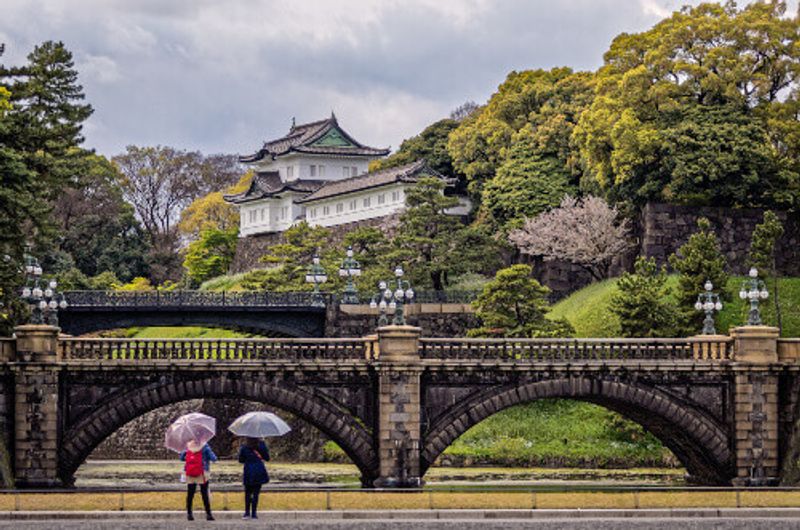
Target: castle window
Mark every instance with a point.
(262, 214)
(284, 212)
(381, 198)
(340, 207)
(326, 210)
(366, 202)
(353, 171)
(395, 196)
(352, 205)
(321, 171)
(312, 170)
(289, 172)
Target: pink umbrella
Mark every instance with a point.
(193, 428)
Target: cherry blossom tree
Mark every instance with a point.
(587, 232)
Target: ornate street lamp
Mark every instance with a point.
(754, 289)
(708, 302)
(41, 295)
(349, 269)
(316, 275)
(393, 301)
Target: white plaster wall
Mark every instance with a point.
(301, 165)
(316, 215)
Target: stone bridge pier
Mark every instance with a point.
(728, 407)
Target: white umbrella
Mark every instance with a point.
(259, 425)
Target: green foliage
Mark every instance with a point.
(74, 280)
(514, 305)
(689, 111)
(526, 184)
(642, 302)
(430, 145)
(211, 254)
(432, 245)
(697, 261)
(137, 284)
(546, 102)
(558, 433)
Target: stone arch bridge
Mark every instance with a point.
(726, 406)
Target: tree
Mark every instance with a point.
(548, 102)
(586, 232)
(211, 254)
(697, 261)
(514, 304)
(700, 109)
(527, 183)
(642, 302)
(160, 182)
(762, 255)
(96, 228)
(429, 241)
(430, 145)
(211, 211)
(463, 111)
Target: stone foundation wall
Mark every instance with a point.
(663, 228)
(361, 322)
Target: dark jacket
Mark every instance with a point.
(208, 457)
(255, 472)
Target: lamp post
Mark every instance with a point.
(753, 289)
(316, 275)
(393, 300)
(41, 295)
(349, 269)
(708, 302)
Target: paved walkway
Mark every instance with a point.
(700, 519)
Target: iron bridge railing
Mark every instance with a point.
(189, 298)
(121, 299)
(79, 349)
(533, 350)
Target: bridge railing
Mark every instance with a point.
(532, 350)
(73, 349)
(188, 298)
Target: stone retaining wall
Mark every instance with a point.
(436, 320)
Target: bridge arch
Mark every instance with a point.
(697, 440)
(80, 439)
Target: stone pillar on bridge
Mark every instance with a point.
(399, 371)
(36, 406)
(756, 405)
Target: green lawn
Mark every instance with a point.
(158, 332)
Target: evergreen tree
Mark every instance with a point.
(527, 183)
(642, 302)
(514, 304)
(698, 260)
(762, 255)
(433, 245)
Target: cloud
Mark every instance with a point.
(99, 68)
(222, 77)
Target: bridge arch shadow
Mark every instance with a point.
(697, 440)
(84, 436)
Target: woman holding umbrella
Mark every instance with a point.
(198, 463)
(253, 453)
(189, 436)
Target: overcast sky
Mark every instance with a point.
(222, 76)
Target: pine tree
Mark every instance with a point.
(762, 255)
(642, 302)
(698, 260)
(514, 304)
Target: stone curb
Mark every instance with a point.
(423, 514)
